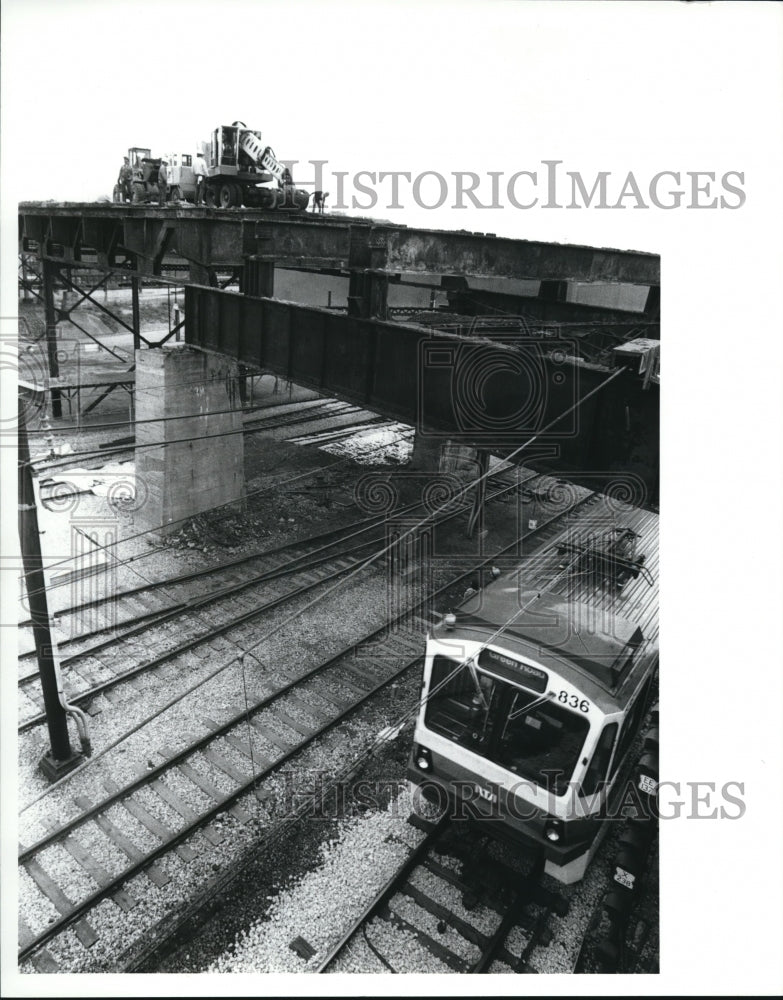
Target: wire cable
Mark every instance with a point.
(339, 462)
(346, 579)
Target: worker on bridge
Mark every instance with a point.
(200, 172)
(124, 180)
(163, 183)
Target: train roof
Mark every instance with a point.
(601, 644)
(582, 623)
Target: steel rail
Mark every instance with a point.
(106, 890)
(385, 894)
(152, 618)
(235, 622)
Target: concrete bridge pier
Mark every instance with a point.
(189, 445)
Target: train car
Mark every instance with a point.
(536, 687)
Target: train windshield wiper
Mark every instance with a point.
(477, 684)
(529, 706)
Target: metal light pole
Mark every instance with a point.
(61, 758)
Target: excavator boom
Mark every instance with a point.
(262, 155)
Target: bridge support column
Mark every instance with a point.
(368, 284)
(258, 275)
(256, 278)
(553, 291)
(368, 293)
(189, 447)
(136, 312)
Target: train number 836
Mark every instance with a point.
(572, 700)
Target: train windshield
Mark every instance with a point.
(521, 730)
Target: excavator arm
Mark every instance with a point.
(263, 157)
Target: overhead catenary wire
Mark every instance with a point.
(97, 452)
(205, 680)
(90, 428)
(141, 576)
(347, 578)
(230, 503)
(104, 452)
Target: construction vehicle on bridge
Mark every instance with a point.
(241, 170)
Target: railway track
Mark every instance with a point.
(222, 768)
(148, 602)
(300, 550)
(308, 412)
(315, 564)
(217, 621)
(453, 899)
(288, 555)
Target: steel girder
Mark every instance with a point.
(220, 238)
(493, 394)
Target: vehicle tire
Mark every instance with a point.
(238, 194)
(211, 196)
(175, 194)
(227, 195)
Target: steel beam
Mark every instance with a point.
(487, 256)
(136, 313)
(223, 237)
(478, 302)
(49, 273)
(488, 394)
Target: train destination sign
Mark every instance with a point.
(531, 677)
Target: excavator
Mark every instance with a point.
(241, 170)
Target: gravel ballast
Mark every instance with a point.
(351, 869)
(350, 857)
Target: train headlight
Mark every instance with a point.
(423, 759)
(553, 830)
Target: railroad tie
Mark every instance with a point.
(272, 737)
(169, 796)
(97, 872)
(25, 934)
(43, 961)
(298, 727)
(155, 874)
(83, 930)
(245, 747)
(352, 685)
(212, 791)
(333, 699)
(305, 706)
(435, 909)
(441, 952)
(219, 761)
(152, 823)
(225, 765)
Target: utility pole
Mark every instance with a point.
(61, 759)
